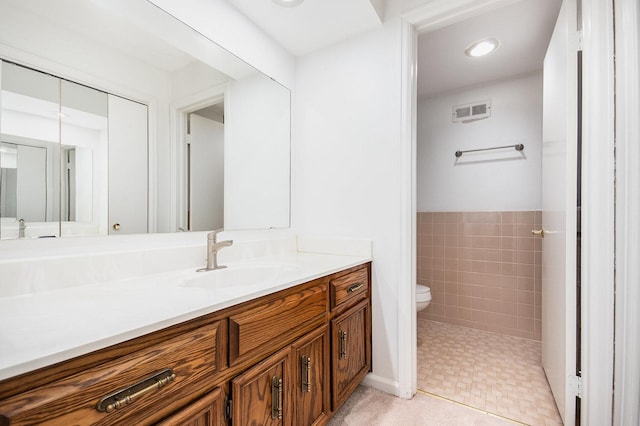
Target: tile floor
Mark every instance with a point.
(491, 372)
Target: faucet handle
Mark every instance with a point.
(213, 234)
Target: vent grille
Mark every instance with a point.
(471, 112)
(463, 112)
(479, 109)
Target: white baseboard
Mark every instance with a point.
(382, 384)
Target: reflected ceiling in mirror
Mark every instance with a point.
(134, 49)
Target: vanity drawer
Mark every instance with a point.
(262, 328)
(349, 288)
(194, 357)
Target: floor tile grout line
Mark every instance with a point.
(433, 395)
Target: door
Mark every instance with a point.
(206, 174)
(311, 378)
(261, 395)
(128, 176)
(351, 351)
(559, 197)
(32, 183)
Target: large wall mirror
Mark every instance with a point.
(115, 117)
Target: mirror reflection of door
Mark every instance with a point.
(83, 159)
(206, 168)
(23, 172)
(128, 169)
(68, 189)
(30, 132)
(59, 131)
(31, 183)
(8, 181)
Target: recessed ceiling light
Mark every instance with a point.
(288, 3)
(482, 47)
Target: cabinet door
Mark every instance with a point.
(351, 351)
(261, 395)
(206, 411)
(311, 378)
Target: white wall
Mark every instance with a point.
(491, 180)
(347, 135)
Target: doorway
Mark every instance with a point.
(198, 175)
(205, 168)
(478, 199)
(599, 155)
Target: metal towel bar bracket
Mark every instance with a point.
(518, 147)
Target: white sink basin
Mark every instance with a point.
(240, 275)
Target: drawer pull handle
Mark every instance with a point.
(126, 396)
(343, 344)
(276, 398)
(355, 287)
(306, 373)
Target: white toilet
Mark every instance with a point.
(423, 297)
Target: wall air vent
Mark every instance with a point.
(471, 112)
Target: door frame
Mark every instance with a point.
(178, 111)
(598, 212)
(436, 14)
(627, 319)
(598, 208)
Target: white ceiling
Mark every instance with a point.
(313, 24)
(523, 29)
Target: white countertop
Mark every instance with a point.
(43, 328)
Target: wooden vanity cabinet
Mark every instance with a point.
(351, 351)
(289, 358)
(350, 332)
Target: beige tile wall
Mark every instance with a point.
(483, 268)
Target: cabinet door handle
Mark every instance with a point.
(276, 398)
(126, 396)
(306, 373)
(343, 344)
(355, 287)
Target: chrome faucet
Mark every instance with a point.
(21, 228)
(213, 246)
